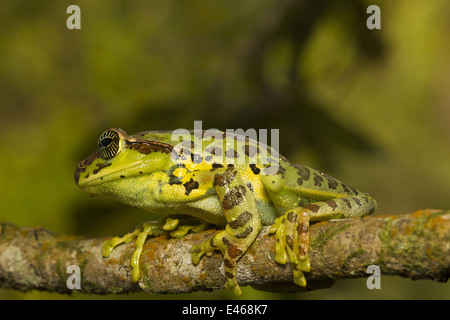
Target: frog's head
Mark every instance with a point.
(120, 160)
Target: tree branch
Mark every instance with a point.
(416, 246)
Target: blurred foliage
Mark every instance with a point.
(371, 107)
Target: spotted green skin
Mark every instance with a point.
(238, 196)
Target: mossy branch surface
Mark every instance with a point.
(415, 245)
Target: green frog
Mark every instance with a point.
(229, 181)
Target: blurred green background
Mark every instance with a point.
(371, 107)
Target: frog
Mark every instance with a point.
(239, 187)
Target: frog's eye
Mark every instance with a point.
(109, 144)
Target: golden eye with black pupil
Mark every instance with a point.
(109, 144)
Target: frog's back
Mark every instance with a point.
(215, 147)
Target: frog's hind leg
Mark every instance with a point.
(243, 225)
(292, 229)
(292, 241)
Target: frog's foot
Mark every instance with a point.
(292, 241)
(141, 233)
(178, 230)
(231, 250)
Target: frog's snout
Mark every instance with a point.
(83, 165)
(78, 171)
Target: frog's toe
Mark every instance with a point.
(108, 247)
(304, 264)
(233, 287)
(135, 274)
(299, 269)
(198, 251)
(140, 234)
(111, 244)
(280, 247)
(181, 231)
(231, 251)
(196, 254)
(299, 278)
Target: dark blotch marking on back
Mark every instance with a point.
(196, 158)
(214, 151)
(317, 180)
(231, 153)
(347, 202)
(303, 172)
(254, 168)
(216, 166)
(332, 204)
(355, 192)
(313, 207)
(357, 200)
(147, 146)
(281, 170)
(250, 151)
(345, 188)
(332, 183)
(190, 185)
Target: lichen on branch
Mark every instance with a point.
(414, 245)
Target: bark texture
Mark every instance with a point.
(415, 245)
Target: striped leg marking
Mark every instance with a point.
(292, 229)
(243, 225)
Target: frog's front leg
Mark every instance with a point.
(142, 232)
(292, 229)
(243, 225)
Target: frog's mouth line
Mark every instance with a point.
(98, 179)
